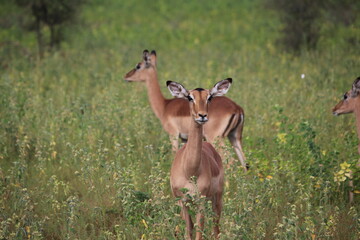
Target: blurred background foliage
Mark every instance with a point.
(83, 156)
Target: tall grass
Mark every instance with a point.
(83, 156)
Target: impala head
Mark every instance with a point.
(199, 98)
(350, 100)
(142, 69)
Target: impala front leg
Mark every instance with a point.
(217, 207)
(200, 222)
(189, 223)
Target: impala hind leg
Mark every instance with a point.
(239, 151)
(235, 137)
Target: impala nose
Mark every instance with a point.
(203, 117)
(334, 112)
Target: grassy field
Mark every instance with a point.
(83, 156)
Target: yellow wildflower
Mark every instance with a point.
(144, 222)
(269, 177)
(53, 154)
(227, 184)
(261, 177)
(348, 174)
(27, 228)
(345, 166)
(343, 173)
(282, 137)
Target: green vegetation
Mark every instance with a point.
(82, 156)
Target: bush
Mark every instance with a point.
(299, 18)
(52, 13)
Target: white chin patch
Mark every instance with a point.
(201, 120)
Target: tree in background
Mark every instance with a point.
(345, 12)
(54, 14)
(299, 18)
(302, 19)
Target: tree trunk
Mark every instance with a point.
(39, 38)
(52, 36)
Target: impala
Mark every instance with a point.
(227, 118)
(197, 159)
(351, 104)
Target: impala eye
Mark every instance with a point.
(137, 67)
(190, 98)
(345, 96)
(210, 98)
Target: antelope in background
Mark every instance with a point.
(351, 104)
(198, 159)
(227, 118)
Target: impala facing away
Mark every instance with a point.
(351, 104)
(227, 118)
(197, 159)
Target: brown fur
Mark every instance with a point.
(200, 160)
(351, 104)
(174, 113)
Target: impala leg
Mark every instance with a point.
(189, 223)
(351, 191)
(200, 223)
(235, 137)
(217, 207)
(236, 143)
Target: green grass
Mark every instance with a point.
(83, 156)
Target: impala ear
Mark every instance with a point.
(145, 54)
(177, 90)
(355, 90)
(146, 57)
(221, 87)
(153, 57)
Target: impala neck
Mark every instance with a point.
(357, 116)
(157, 100)
(192, 152)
